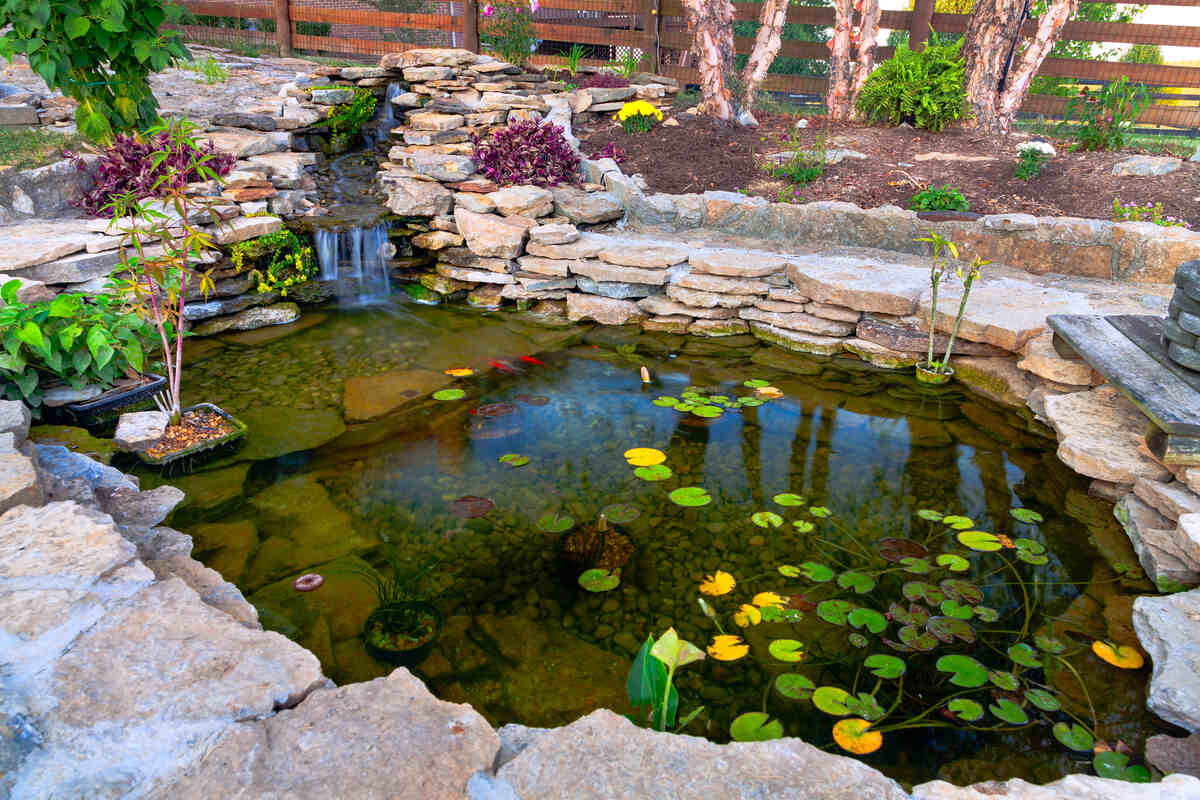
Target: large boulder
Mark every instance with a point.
(410, 197)
(490, 235)
(1169, 629)
(1072, 787)
(1100, 435)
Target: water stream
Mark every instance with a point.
(355, 259)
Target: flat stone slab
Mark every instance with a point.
(860, 284)
(737, 263)
(647, 255)
(1169, 629)
(612, 273)
(796, 341)
(805, 323)
(39, 241)
(1100, 434)
(1004, 312)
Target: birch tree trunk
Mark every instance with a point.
(851, 54)
(993, 27)
(766, 46)
(711, 25)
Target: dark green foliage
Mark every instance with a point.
(1029, 164)
(99, 52)
(347, 120)
(1105, 117)
(924, 89)
(946, 198)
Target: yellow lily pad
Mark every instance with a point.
(856, 736)
(1121, 656)
(644, 457)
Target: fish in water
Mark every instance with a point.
(532, 360)
(504, 366)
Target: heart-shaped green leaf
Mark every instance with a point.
(755, 383)
(690, 496)
(834, 611)
(917, 566)
(655, 472)
(1029, 545)
(965, 591)
(982, 541)
(1009, 711)
(958, 523)
(818, 573)
(867, 617)
(803, 526)
(1032, 558)
(707, 411)
(1075, 737)
(964, 671)
(789, 499)
(675, 652)
(600, 580)
(966, 709)
(986, 614)
(1114, 765)
(1042, 699)
(788, 650)
(917, 639)
(857, 639)
(755, 726)
(555, 522)
(1004, 680)
(621, 513)
(885, 666)
(919, 590)
(947, 629)
(951, 608)
(1024, 655)
(789, 571)
(819, 511)
(831, 700)
(1027, 515)
(930, 514)
(865, 705)
(795, 686)
(859, 582)
(513, 459)
(766, 519)
(664, 401)
(952, 562)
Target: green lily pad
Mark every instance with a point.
(834, 611)
(599, 580)
(1111, 764)
(947, 629)
(858, 640)
(684, 408)
(708, 411)
(964, 671)
(958, 523)
(860, 583)
(1029, 545)
(663, 401)
(513, 459)
(831, 700)
(766, 519)
(820, 512)
(621, 513)
(915, 614)
(555, 522)
(657, 472)
(755, 726)
(1032, 558)
(958, 589)
(788, 499)
(865, 705)
(755, 383)
(1004, 680)
(795, 686)
(1048, 644)
(951, 608)
(952, 562)
(789, 571)
(1024, 655)
(917, 639)
(1074, 737)
(1042, 699)
(449, 394)
(1008, 711)
(690, 496)
(982, 541)
(788, 650)
(885, 666)
(818, 573)
(895, 549)
(1027, 515)
(803, 526)
(966, 709)
(919, 590)
(868, 617)
(986, 614)
(930, 514)
(750, 402)
(917, 566)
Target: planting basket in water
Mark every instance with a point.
(934, 377)
(591, 547)
(189, 458)
(91, 412)
(388, 612)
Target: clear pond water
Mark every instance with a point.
(315, 490)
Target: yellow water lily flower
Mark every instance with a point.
(747, 615)
(644, 457)
(764, 599)
(855, 736)
(459, 372)
(1122, 656)
(718, 583)
(728, 648)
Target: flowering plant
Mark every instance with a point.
(638, 116)
(509, 30)
(526, 152)
(1105, 117)
(610, 151)
(1145, 212)
(279, 261)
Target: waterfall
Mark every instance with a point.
(356, 260)
(381, 126)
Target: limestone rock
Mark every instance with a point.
(1100, 434)
(1169, 630)
(438, 166)
(795, 340)
(616, 289)
(838, 313)
(428, 56)
(879, 356)
(132, 509)
(243, 228)
(604, 272)
(1189, 535)
(250, 319)
(1161, 550)
(604, 310)
(437, 240)
(1040, 358)
(1072, 787)
(805, 323)
(546, 266)
(860, 284)
(737, 263)
(367, 740)
(554, 233)
(415, 198)
(603, 756)
(196, 311)
(586, 207)
(38, 241)
(473, 201)
(718, 327)
(911, 340)
(433, 121)
(1172, 500)
(671, 324)
(14, 419)
(696, 297)
(20, 483)
(1003, 312)
(997, 379)
(490, 235)
(473, 275)
(523, 201)
(1147, 166)
(717, 283)
(661, 306)
(644, 254)
(244, 144)
(213, 589)
(588, 245)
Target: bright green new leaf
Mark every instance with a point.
(657, 472)
(917, 566)
(831, 700)
(1075, 737)
(690, 496)
(449, 394)
(789, 571)
(885, 666)
(1009, 711)
(1027, 515)
(788, 650)
(958, 523)
(664, 401)
(600, 580)
(967, 710)
(789, 499)
(868, 617)
(1024, 655)
(981, 541)
(755, 383)
(708, 411)
(819, 511)
(930, 515)
(803, 526)
(1114, 765)
(818, 573)
(964, 671)
(952, 608)
(766, 519)
(859, 582)
(513, 459)
(952, 562)
(755, 726)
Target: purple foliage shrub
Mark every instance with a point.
(526, 152)
(604, 80)
(126, 165)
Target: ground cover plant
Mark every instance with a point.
(947, 198)
(1029, 164)
(1146, 212)
(526, 152)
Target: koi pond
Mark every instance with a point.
(846, 548)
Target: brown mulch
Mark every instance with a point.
(201, 425)
(701, 154)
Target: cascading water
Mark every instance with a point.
(380, 127)
(355, 260)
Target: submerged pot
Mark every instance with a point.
(91, 412)
(187, 459)
(599, 545)
(925, 374)
(412, 626)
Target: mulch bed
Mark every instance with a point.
(201, 425)
(702, 154)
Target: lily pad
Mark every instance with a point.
(766, 519)
(831, 700)
(1111, 764)
(865, 705)
(951, 608)
(958, 589)
(1032, 558)
(803, 526)
(952, 562)
(1074, 737)
(621, 513)
(964, 671)
(469, 506)
(966, 709)
(1024, 655)
(1004, 680)
(789, 571)
(858, 640)
(885, 666)
(834, 611)
(1048, 644)
(856, 736)
(858, 581)
(555, 522)
(867, 617)
(600, 580)
(1122, 656)
(664, 401)
(821, 512)
(795, 686)
(947, 629)
(1042, 699)
(657, 472)
(930, 515)
(1008, 711)
(915, 614)
(895, 549)
(919, 590)
(513, 459)
(1027, 515)
(982, 541)
(755, 726)
(788, 650)
(917, 566)
(493, 410)
(708, 411)
(449, 394)
(788, 499)
(819, 573)
(644, 456)
(917, 639)
(690, 497)
(958, 523)
(750, 402)
(986, 614)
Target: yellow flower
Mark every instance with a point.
(636, 107)
(747, 615)
(718, 583)
(764, 599)
(728, 648)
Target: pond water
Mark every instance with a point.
(523, 642)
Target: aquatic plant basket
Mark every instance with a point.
(934, 377)
(390, 611)
(189, 458)
(90, 413)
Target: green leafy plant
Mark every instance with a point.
(797, 163)
(508, 30)
(279, 261)
(209, 70)
(626, 63)
(924, 89)
(1103, 119)
(937, 272)
(76, 338)
(1146, 212)
(403, 619)
(347, 120)
(574, 57)
(946, 198)
(1029, 164)
(650, 684)
(98, 52)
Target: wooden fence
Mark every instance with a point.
(656, 29)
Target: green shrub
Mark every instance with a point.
(1103, 119)
(100, 53)
(1029, 164)
(946, 198)
(924, 89)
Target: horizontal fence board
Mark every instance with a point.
(586, 34)
(1155, 74)
(377, 19)
(1084, 31)
(203, 33)
(243, 10)
(1153, 115)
